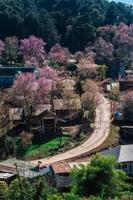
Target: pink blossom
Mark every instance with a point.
(32, 49)
(59, 53)
(48, 72)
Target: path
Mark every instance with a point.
(100, 134)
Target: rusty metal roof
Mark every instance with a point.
(7, 169)
(61, 167)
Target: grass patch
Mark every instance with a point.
(35, 151)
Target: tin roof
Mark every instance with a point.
(66, 167)
(24, 168)
(126, 153)
(5, 176)
(61, 167)
(123, 153)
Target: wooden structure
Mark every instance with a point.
(61, 173)
(126, 85)
(48, 117)
(48, 121)
(67, 108)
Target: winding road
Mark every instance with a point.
(100, 134)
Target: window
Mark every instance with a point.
(124, 166)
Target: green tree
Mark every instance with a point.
(4, 191)
(99, 178)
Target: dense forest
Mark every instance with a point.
(73, 23)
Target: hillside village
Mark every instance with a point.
(66, 111)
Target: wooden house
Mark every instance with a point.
(67, 109)
(127, 82)
(50, 118)
(126, 85)
(48, 122)
(61, 174)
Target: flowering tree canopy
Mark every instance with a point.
(32, 50)
(103, 48)
(59, 53)
(48, 72)
(123, 43)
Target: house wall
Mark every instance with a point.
(127, 167)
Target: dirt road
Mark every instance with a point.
(100, 134)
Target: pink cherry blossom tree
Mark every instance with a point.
(48, 72)
(103, 48)
(32, 50)
(123, 43)
(31, 90)
(59, 54)
(87, 66)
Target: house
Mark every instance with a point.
(67, 109)
(126, 133)
(123, 155)
(68, 84)
(10, 168)
(48, 121)
(126, 85)
(7, 74)
(50, 118)
(127, 82)
(61, 173)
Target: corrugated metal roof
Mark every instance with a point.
(123, 153)
(5, 176)
(61, 167)
(113, 152)
(126, 153)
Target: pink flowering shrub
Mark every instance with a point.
(32, 50)
(59, 53)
